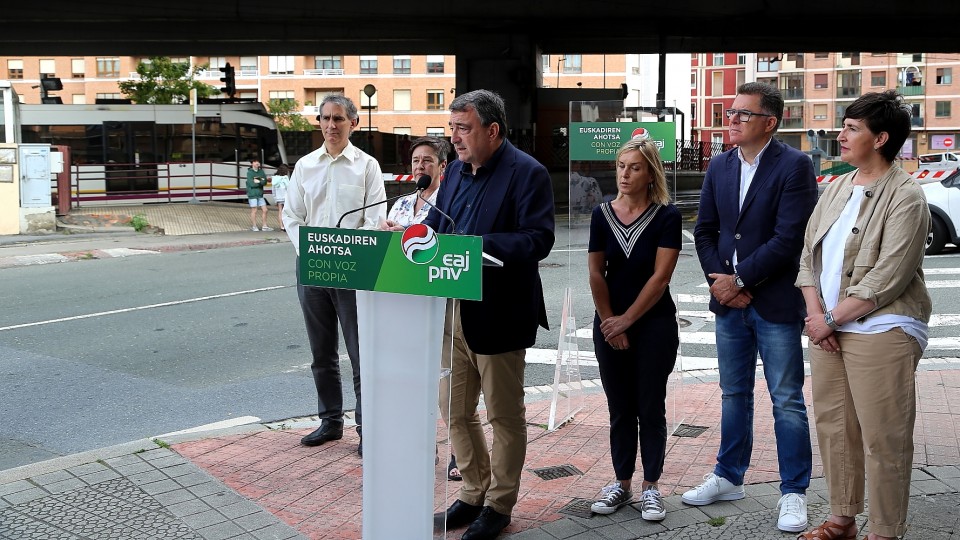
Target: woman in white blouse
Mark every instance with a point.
(429, 156)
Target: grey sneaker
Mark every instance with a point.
(651, 505)
(611, 498)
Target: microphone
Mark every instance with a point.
(425, 182)
(348, 212)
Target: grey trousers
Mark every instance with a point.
(322, 308)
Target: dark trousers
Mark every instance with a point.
(635, 383)
(322, 308)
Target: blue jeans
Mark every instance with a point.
(741, 334)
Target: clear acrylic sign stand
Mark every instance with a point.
(567, 398)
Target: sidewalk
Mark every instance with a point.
(257, 482)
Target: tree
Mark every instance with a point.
(163, 82)
(286, 113)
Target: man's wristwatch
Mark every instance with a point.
(738, 282)
(828, 319)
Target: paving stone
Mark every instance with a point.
(220, 531)
(944, 471)
(241, 508)
(613, 532)
(14, 487)
(172, 462)
(186, 508)
(120, 461)
(87, 468)
(66, 485)
(209, 487)
(223, 498)
(147, 477)
(641, 527)
(193, 479)
(156, 453)
(133, 468)
(256, 521)
(563, 528)
(929, 487)
(101, 476)
(52, 478)
(163, 486)
(173, 497)
(279, 531)
(26, 495)
(203, 519)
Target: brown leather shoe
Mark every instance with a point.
(829, 530)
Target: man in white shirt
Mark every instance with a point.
(334, 179)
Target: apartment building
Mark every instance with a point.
(818, 87)
(412, 95)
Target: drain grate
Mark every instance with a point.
(578, 508)
(560, 471)
(686, 430)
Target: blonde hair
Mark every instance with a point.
(648, 149)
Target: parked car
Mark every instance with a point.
(943, 198)
(943, 160)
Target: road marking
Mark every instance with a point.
(138, 308)
(232, 422)
(943, 283)
(940, 271)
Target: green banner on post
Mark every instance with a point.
(416, 261)
(599, 141)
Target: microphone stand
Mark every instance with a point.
(347, 213)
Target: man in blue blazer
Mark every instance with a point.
(754, 207)
(495, 191)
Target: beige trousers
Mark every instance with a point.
(489, 479)
(864, 400)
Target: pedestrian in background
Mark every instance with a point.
(256, 181)
(505, 196)
(754, 206)
(280, 180)
(635, 242)
(326, 183)
(867, 313)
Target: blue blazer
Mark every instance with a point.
(767, 233)
(516, 221)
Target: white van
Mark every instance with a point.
(937, 162)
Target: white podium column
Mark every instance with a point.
(400, 342)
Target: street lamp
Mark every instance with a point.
(370, 90)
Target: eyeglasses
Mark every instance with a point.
(743, 114)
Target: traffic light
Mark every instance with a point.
(229, 80)
(47, 84)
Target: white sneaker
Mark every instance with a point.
(268, 229)
(714, 488)
(611, 499)
(793, 512)
(651, 505)
(254, 229)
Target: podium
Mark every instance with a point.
(402, 282)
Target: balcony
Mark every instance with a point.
(916, 121)
(791, 123)
(323, 72)
(848, 92)
(793, 93)
(912, 90)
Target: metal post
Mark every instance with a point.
(193, 142)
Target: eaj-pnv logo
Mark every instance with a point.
(419, 244)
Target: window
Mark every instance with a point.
(854, 57)
(796, 58)
(717, 115)
(368, 102)
(848, 84)
(820, 111)
(109, 96)
(282, 95)
(791, 85)
(693, 113)
(573, 63)
(741, 77)
(280, 65)
(108, 68)
(942, 109)
(217, 62)
(545, 63)
(328, 62)
(718, 59)
(821, 55)
(878, 78)
(368, 65)
(716, 88)
(77, 68)
(792, 117)
(249, 64)
(48, 68)
(918, 57)
(693, 79)
(321, 93)
(768, 63)
(944, 75)
(434, 63)
(14, 69)
(820, 80)
(401, 65)
(402, 131)
(434, 100)
(436, 131)
(741, 59)
(401, 100)
(78, 99)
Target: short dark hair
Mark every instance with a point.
(883, 111)
(283, 170)
(343, 101)
(489, 106)
(438, 145)
(771, 101)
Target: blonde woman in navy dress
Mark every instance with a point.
(635, 242)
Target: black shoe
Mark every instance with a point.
(329, 430)
(360, 446)
(487, 526)
(458, 515)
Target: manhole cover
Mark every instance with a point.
(686, 430)
(560, 471)
(578, 508)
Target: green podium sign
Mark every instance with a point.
(600, 141)
(416, 261)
